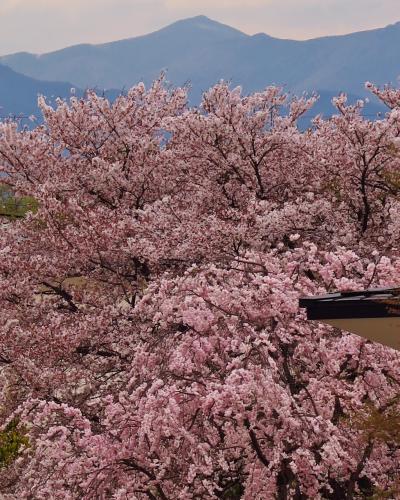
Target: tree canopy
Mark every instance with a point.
(151, 342)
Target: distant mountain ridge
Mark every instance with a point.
(122, 63)
(202, 51)
(19, 93)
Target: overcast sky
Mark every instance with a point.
(44, 25)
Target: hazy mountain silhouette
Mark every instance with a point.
(202, 51)
(19, 93)
(121, 64)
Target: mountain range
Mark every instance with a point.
(202, 51)
(18, 93)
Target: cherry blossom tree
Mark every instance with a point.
(151, 342)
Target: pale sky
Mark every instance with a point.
(45, 25)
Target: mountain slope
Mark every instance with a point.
(201, 51)
(204, 51)
(19, 93)
(121, 64)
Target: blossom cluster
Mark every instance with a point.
(151, 344)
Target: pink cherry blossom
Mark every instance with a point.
(152, 345)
